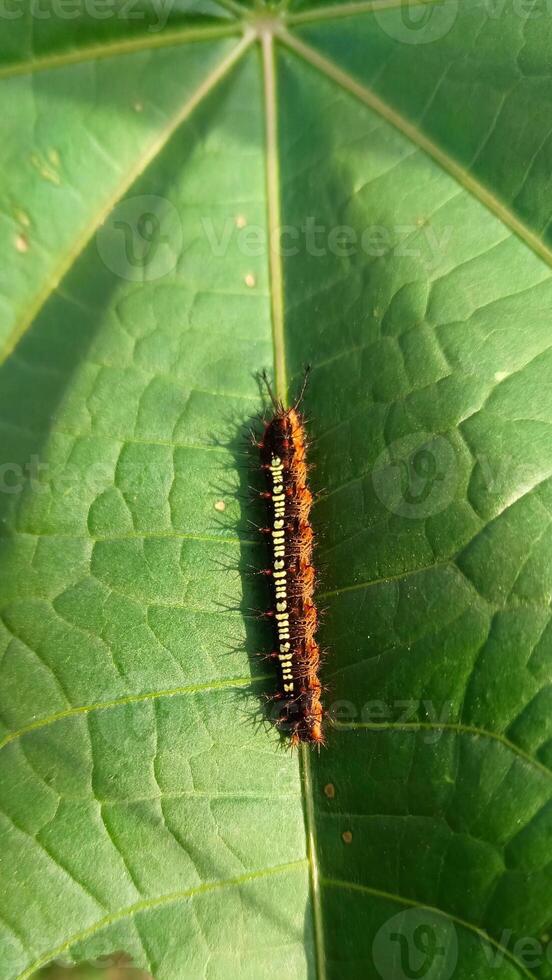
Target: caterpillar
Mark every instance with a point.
(283, 450)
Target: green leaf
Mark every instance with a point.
(363, 187)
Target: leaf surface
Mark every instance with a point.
(182, 209)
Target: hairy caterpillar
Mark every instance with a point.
(283, 450)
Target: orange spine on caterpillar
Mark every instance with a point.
(283, 450)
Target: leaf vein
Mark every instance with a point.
(156, 902)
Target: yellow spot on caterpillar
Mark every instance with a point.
(329, 791)
(346, 837)
(219, 505)
(250, 280)
(240, 221)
